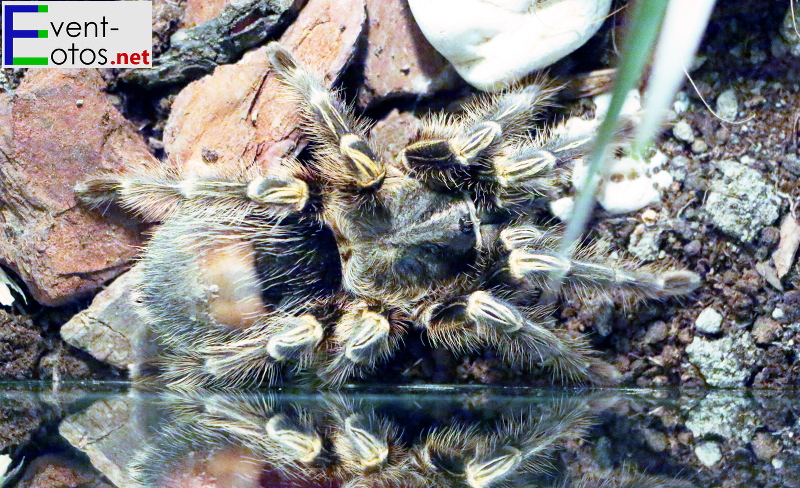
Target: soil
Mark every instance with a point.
(646, 342)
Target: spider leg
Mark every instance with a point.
(362, 337)
(455, 153)
(345, 158)
(250, 357)
(532, 259)
(156, 193)
(523, 338)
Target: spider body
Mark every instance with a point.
(322, 267)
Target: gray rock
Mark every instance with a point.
(741, 203)
(709, 321)
(196, 51)
(727, 105)
(111, 326)
(683, 131)
(788, 42)
(731, 415)
(726, 362)
(109, 434)
(645, 242)
(708, 453)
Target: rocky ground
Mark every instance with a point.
(732, 147)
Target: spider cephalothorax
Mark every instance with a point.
(323, 266)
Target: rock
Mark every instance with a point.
(395, 132)
(656, 333)
(108, 433)
(699, 146)
(741, 203)
(251, 120)
(60, 471)
(482, 38)
(708, 453)
(731, 415)
(766, 330)
(562, 208)
(683, 131)
(765, 446)
(726, 362)
(709, 321)
(790, 304)
(645, 242)
(198, 12)
(727, 106)
(399, 60)
(59, 249)
(788, 40)
(111, 326)
(197, 50)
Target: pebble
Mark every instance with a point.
(726, 362)
(683, 131)
(699, 146)
(741, 202)
(484, 39)
(645, 242)
(777, 314)
(727, 105)
(708, 453)
(766, 330)
(709, 321)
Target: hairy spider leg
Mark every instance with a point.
(525, 338)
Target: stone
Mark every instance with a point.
(709, 321)
(110, 328)
(766, 330)
(708, 453)
(683, 131)
(726, 362)
(108, 433)
(741, 202)
(59, 249)
(645, 242)
(242, 102)
(395, 132)
(484, 39)
(765, 446)
(726, 414)
(196, 50)
(399, 60)
(727, 105)
(60, 471)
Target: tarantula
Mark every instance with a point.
(247, 440)
(324, 266)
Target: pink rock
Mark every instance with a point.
(395, 132)
(399, 60)
(63, 128)
(199, 11)
(238, 112)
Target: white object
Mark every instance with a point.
(493, 43)
(681, 31)
(630, 183)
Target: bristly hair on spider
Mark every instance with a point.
(322, 267)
